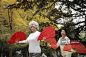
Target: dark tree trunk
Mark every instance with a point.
(10, 53)
(9, 15)
(1, 55)
(26, 52)
(10, 19)
(50, 53)
(85, 21)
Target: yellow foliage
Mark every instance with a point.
(9, 1)
(19, 17)
(49, 4)
(42, 43)
(17, 20)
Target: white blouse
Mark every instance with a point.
(34, 45)
(61, 42)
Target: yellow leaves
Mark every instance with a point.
(21, 18)
(3, 12)
(4, 0)
(1, 20)
(18, 20)
(31, 0)
(37, 17)
(2, 26)
(42, 43)
(52, 17)
(29, 13)
(49, 4)
(12, 1)
(41, 19)
(9, 1)
(35, 8)
(44, 11)
(46, 20)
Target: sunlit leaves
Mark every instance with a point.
(9, 1)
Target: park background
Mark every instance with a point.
(15, 15)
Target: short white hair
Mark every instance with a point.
(37, 25)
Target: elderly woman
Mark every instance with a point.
(34, 45)
(62, 41)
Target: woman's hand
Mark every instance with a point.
(17, 42)
(44, 39)
(48, 45)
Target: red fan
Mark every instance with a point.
(75, 46)
(18, 36)
(48, 32)
(52, 42)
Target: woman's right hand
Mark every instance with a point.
(44, 39)
(17, 42)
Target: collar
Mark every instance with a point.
(64, 38)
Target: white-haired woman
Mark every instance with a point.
(34, 45)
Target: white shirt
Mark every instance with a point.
(61, 42)
(34, 45)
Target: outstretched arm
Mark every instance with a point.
(24, 41)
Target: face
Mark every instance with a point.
(33, 27)
(63, 33)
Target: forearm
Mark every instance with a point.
(24, 41)
(58, 45)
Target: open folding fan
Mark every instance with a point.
(75, 46)
(52, 42)
(18, 36)
(49, 33)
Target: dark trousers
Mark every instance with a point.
(34, 54)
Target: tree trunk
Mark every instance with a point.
(1, 54)
(9, 15)
(10, 53)
(10, 19)
(26, 52)
(50, 53)
(85, 21)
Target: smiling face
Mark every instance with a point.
(63, 33)
(33, 27)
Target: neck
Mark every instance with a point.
(34, 31)
(63, 37)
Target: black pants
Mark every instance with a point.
(34, 54)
